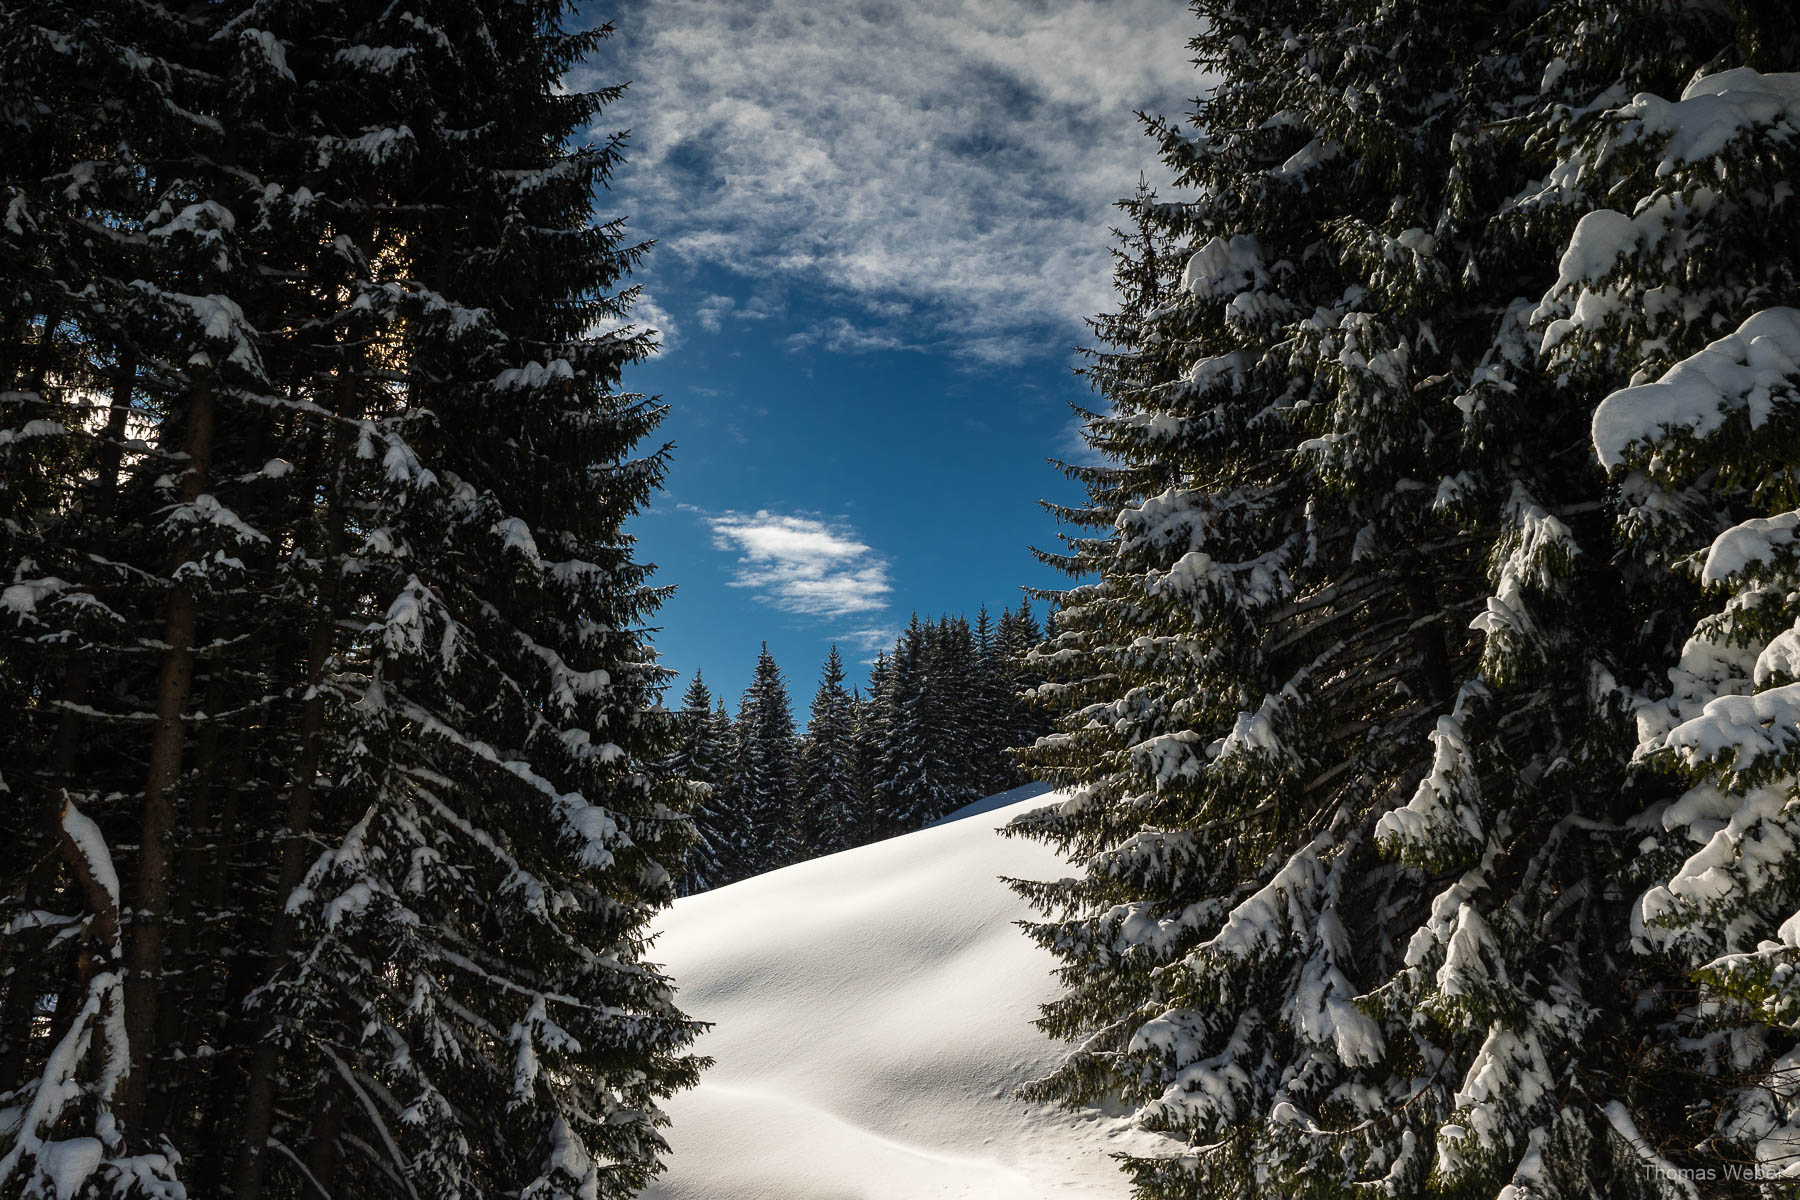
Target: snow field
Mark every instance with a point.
(873, 1017)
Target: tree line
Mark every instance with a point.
(943, 710)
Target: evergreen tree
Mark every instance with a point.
(992, 701)
(702, 753)
(1017, 636)
(954, 672)
(136, 401)
(872, 727)
(914, 775)
(722, 742)
(762, 789)
(826, 789)
(506, 694)
(1344, 923)
(693, 724)
(319, 532)
(1673, 291)
(727, 835)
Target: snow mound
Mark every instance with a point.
(873, 1013)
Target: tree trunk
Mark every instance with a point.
(182, 970)
(327, 1121)
(105, 929)
(222, 1118)
(144, 951)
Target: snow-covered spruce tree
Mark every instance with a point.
(300, 368)
(1340, 732)
(702, 749)
(140, 592)
(870, 730)
(728, 833)
(955, 671)
(762, 781)
(1017, 634)
(914, 774)
(456, 1001)
(991, 700)
(825, 789)
(1680, 287)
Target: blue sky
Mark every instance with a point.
(878, 227)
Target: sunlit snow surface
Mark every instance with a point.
(873, 1014)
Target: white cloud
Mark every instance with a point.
(959, 156)
(870, 641)
(646, 313)
(801, 564)
(712, 310)
(841, 336)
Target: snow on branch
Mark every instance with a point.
(1739, 378)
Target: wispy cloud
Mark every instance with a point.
(713, 311)
(646, 313)
(841, 336)
(956, 157)
(869, 641)
(802, 564)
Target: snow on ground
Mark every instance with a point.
(997, 801)
(873, 1014)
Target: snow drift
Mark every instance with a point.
(873, 1013)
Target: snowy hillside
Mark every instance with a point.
(873, 1014)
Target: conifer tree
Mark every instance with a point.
(506, 694)
(825, 790)
(1672, 291)
(132, 392)
(992, 702)
(701, 755)
(762, 787)
(954, 672)
(934, 732)
(693, 723)
(914, 775)
(1017, 635)
(726, 833)
(871, 729)
(1339, 734)
(332, 555)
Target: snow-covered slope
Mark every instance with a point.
(873, 1014)
(989, 804)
